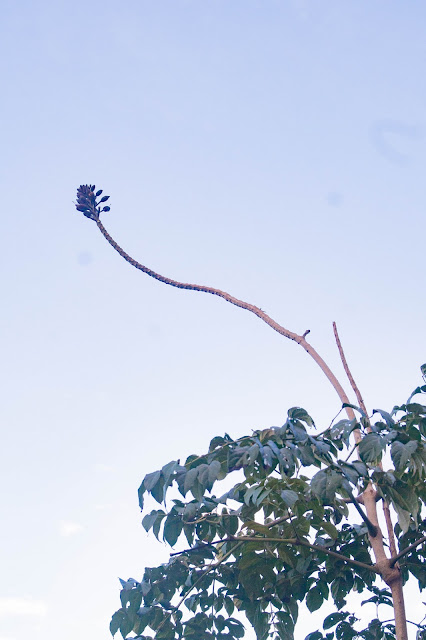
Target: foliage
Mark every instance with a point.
(285, 533)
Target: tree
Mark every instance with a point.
(300, 522)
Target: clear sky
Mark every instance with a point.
(274, 149)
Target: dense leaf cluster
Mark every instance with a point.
(281, 535)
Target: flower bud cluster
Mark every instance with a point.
(87, 201)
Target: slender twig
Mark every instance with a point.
(356, 563)
(406, 550)
(420, 626)
(351, 451)
(357, 392)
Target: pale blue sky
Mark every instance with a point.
(274, 149)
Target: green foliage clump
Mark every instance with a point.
(285, 533)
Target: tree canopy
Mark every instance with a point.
(291, 529)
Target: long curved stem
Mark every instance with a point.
(300, 339)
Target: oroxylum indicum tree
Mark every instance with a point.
(300, 524)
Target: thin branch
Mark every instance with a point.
(389, 526)
(402, 553)
(357, 436)
(420, 626)
(199, 547)
(291, 541)
(349, 375)
(300, 339)
(351, 451)
(372, 529)
(316, 547)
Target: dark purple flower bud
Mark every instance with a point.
(106, 209)
(86, 201)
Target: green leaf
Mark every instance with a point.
(284, 626)
(325, 483)
(343, 430)
(370, 448)
(267, 456)
(289, 497)
(314, 600)
(333, 619)
(252, 453)
(126, 625)
(116, 621)
(302, 525)
(361, 468)
(219, 441)
(157, 490)
(345, 631)
(141, 491)
(149, 520)
(415, 407)
(405, 497)
(131, 600)
(390, 422)
(287, 461)
(401, 453)
(151, 480)
(229, 606)
(167, 473)
(249, 559)
(190, 478)
(330, 529)
(306, 455)
(172, 528)
(297, 413)
(350, 472)
(355, 408)
(260, 528)
(299, 431)
(315, 635)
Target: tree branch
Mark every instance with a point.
(372, 529)
(357, 392)
(316, 547)
(300, 339)
(404, 552)
(389, 526)
(291, 541)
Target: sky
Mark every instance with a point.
(274, 149)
